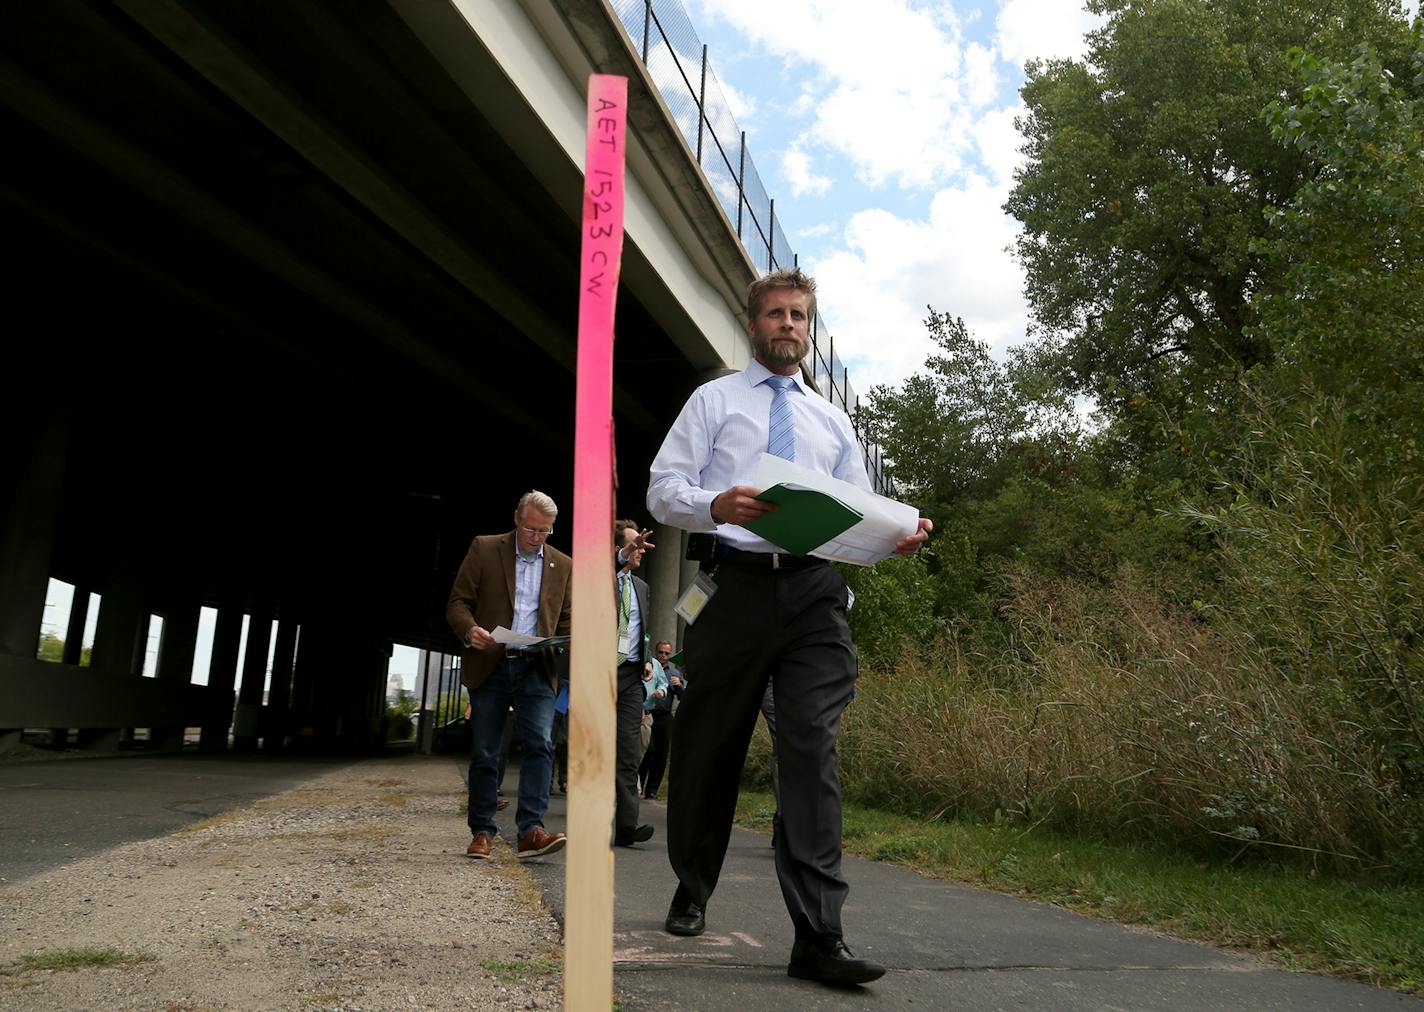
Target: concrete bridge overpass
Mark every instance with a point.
(290, 316)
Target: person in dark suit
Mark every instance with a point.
(650, 773)
(775, 618)
(634, 641)
(517, 581)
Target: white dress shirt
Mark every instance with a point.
(719, 438)
(635, 618)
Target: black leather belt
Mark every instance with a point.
(767, 560)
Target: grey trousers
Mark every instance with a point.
(786, 627)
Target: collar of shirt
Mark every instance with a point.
(524, 556)
(756, 374)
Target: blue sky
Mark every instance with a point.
(884, 130)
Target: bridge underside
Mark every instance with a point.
(288, 322)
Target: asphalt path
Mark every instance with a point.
(53, 811)
(947, 946)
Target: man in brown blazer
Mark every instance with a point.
(517, 581)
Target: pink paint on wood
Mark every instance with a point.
(601, 259)
(588, 937)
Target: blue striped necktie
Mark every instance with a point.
(781, 429)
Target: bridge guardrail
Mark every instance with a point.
(676, 59)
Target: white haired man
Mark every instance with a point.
(518, 581)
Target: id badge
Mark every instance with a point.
(623, 643)
(695, 598)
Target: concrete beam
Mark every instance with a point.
(37, 104)
(535, 96)
(36, 693)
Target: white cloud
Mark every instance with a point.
(887, 89)
(1042, 29)
(981, 75)
(743, 106)
(876, 288)
(796, 167)
(998, 141)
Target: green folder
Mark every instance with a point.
(805, 521)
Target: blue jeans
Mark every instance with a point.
(521, 682)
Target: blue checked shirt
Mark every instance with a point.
(528, 578)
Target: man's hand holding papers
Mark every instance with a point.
(512, 640)
(831, 519)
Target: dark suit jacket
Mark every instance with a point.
(641, 592)
(483, 595)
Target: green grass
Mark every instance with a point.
(79, 959)
(520, 969)
(1322, 924)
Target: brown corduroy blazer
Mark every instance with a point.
(483, 595)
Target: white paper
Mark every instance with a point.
(516, 641)
(884, 521)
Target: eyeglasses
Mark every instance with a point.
(537, 532)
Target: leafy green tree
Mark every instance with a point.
(1149, 173)
(1350, 318)
(894, 609)
(1323, 538)
(400, 716)
(958, 429)
(51, 647)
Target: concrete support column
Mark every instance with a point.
(222, 674)
(73, 651)
(175, 669)
(118, 637)
(663, 567)
(27, 528)
(78, 618)
(275, 725)
(303, 718)
(246, 723)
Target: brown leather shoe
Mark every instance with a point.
(537, 842)
(479, 847)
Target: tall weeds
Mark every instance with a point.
(1123, 717)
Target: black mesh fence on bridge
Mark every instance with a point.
(677, 61)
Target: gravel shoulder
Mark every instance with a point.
(351, 892)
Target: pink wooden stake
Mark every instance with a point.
(588, 929)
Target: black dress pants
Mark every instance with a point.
(787, 627)
(629, 751)
(655, 759)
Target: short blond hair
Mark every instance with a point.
(756, 291)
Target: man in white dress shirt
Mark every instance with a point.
(774, 618)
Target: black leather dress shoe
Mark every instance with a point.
(830, 962)
(628, 837)
(684, 917)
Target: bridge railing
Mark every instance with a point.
(676, 59)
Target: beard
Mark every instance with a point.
(780, 355)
